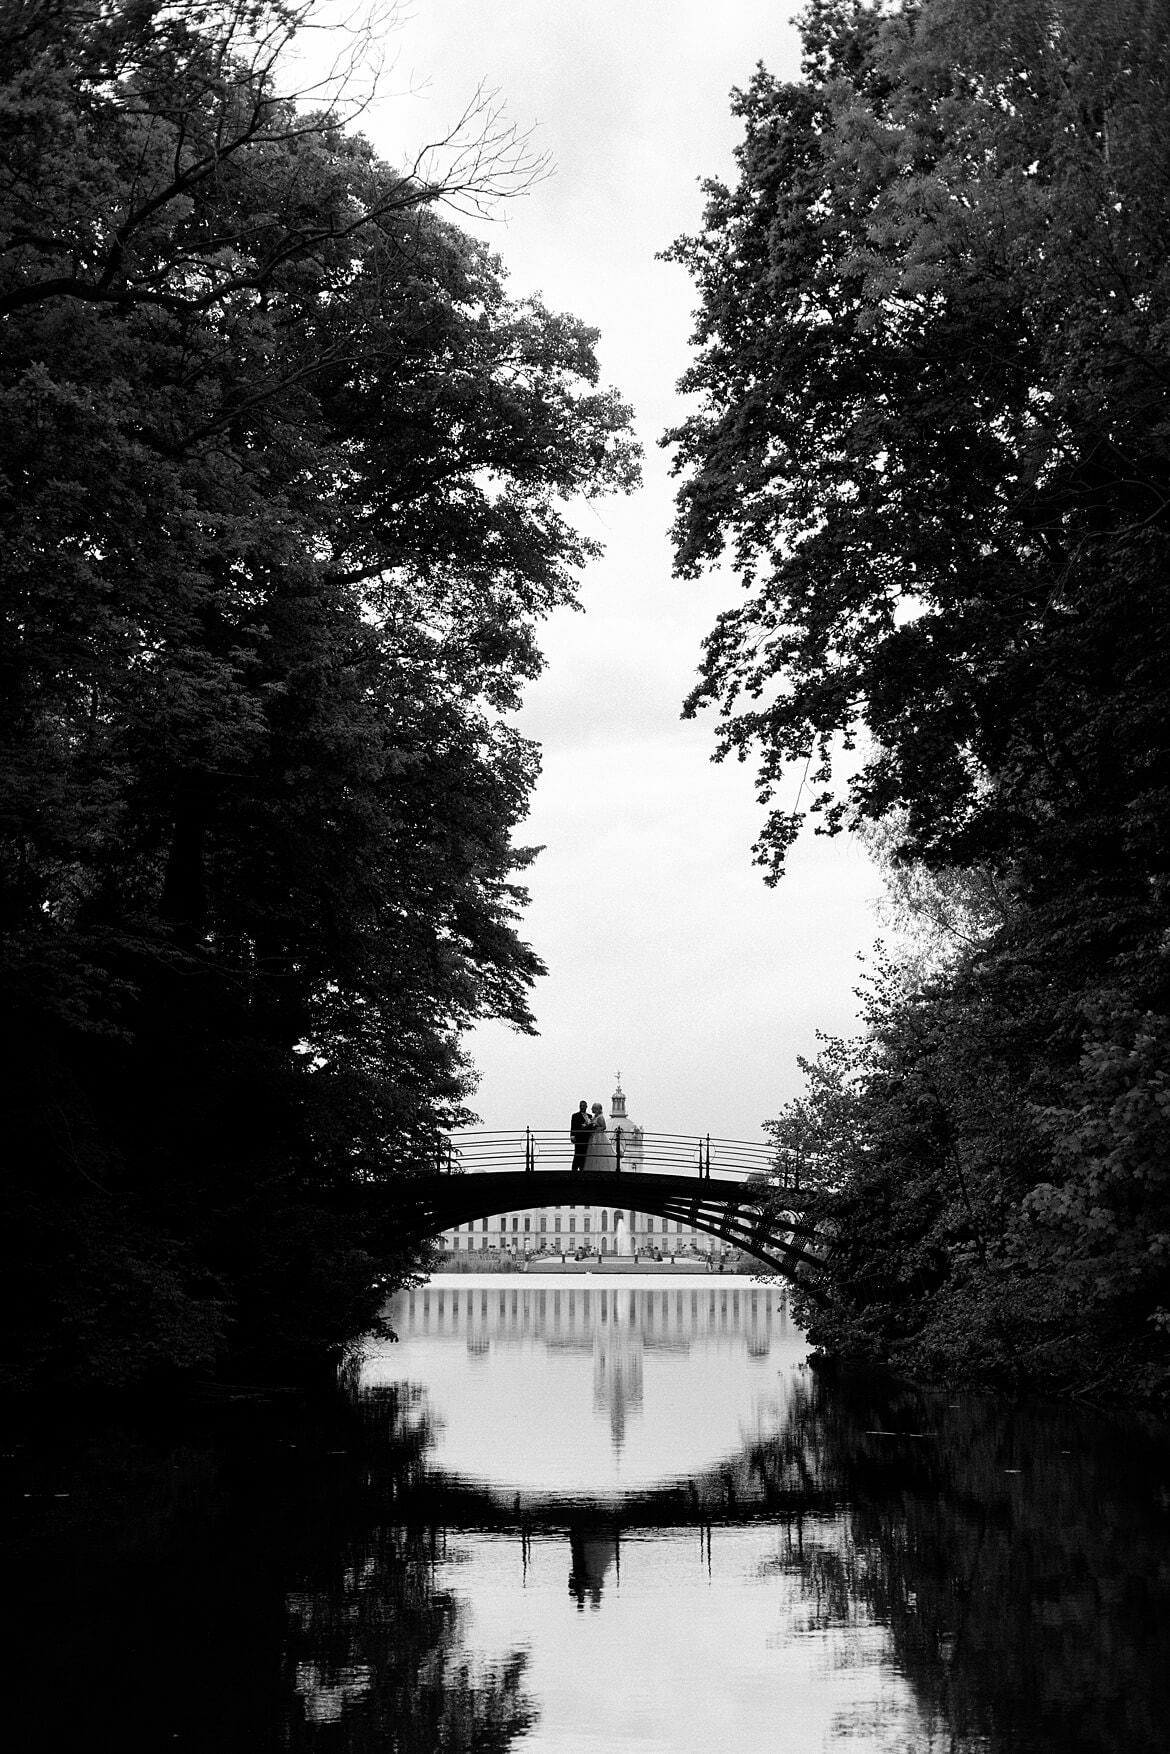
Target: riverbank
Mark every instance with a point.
(604, 1264)
(620, 1264)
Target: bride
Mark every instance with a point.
(601, 1154)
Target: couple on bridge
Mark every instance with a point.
(592, 1145)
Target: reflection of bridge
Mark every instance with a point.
(772, 1481)
(763, 1480)
(719, 1186)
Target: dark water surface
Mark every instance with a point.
(574, 1516)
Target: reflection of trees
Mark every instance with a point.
(373, 1647)
(377, 1656)
(258, 1569)
(274, 1577)
(1029, 1610)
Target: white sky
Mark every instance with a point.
(668, 957)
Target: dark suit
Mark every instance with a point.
(579, 1134)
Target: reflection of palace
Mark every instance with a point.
(602, 1230)
(623, 1330)
(564, 1317)
(619, 1326)
(617, 1375)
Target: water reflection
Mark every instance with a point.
(237, 1580)
(682, 1374)
(866, 1567)
(594, 1547)
(1018, 1552)
(924, 1571)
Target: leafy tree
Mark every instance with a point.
(931, 431)
(991, 1213)
(931, 427)
(283, 498)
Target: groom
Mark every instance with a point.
(579, 1134)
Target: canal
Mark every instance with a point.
(583, 1515)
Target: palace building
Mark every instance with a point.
(601, 1230)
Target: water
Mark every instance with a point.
(567, 1515)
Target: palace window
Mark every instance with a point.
(605, 1221)
(528, 1221)
(587, 1221)
(572, 1222)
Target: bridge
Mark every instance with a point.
(723, 1187)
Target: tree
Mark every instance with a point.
(284, 478)
(931, 430)
(931, 371)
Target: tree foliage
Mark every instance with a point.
(283, 497)
(931, 429)
(986, 1165)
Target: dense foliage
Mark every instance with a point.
(932, 428)
(283, 474)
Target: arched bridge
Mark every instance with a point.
(715, 1185)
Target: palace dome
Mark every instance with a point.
(630, 1130)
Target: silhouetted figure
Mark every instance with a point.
(579, 1129)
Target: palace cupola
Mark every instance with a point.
(631, 1133)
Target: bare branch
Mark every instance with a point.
(482, 160)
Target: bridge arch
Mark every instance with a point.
(734, 1210)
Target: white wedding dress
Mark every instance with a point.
(601, 1154)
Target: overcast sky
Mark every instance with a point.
(668, 957)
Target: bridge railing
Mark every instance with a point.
(702, 1155)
